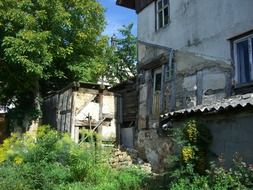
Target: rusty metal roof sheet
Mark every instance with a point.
(234, 102)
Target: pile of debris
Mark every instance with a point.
(122, 158)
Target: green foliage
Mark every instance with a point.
(50, 39)
(121, 57)
(45, 45)
(193, 140)
(240, 176)
(187, 170)
(52, 161)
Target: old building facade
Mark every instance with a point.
(82, 106)
(192, 54)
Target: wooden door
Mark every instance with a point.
(157, 84)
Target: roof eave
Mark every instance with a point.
(126, 3)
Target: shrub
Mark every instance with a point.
(51, 161)
(192, 140)
(190, 171)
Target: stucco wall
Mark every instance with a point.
(198, 26)
(198, 33)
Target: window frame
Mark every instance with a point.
(249, 38)
(157, 11)
(155, 73)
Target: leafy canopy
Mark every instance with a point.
(53, 42)
(121, 56)
(46, 44)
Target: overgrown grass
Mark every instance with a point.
(51, 161)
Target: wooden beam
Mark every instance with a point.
(126, 3)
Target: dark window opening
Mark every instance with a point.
(158, 80)
(243, 60)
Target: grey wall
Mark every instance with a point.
(198, 26)
(198, 33)
(231, 133)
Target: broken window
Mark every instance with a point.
(162, 12)
(244, 60)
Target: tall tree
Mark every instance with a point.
(121, 57)
(45, 44)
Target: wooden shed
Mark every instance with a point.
(82, 105)
(127, 109)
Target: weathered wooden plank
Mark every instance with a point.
(73, 114)
(129, 100)
(67, 122)
(58, 112)
(131, 93)
(64, 107)
(130, 111)
(53, 111)
(68, 114)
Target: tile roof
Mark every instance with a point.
(233, 102)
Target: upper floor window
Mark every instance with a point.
(243, 55)
(162, 13)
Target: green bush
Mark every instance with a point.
(217, 178)
(189, 169)
(51, 161)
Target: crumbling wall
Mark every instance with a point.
(82, 106)
(97, 105)
(200, 80)
(154, 149)
(193, 80)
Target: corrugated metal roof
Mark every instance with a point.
(234, 102)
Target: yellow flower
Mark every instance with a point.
(192, 132)
(187, 153)
(18, 160)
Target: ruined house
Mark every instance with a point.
(82, 106)
(195, 59)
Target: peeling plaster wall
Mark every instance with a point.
(85, 107)
(200, 80)
(197, 80)
(203, 72)
(201, 27)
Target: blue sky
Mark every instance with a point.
(117, 16)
